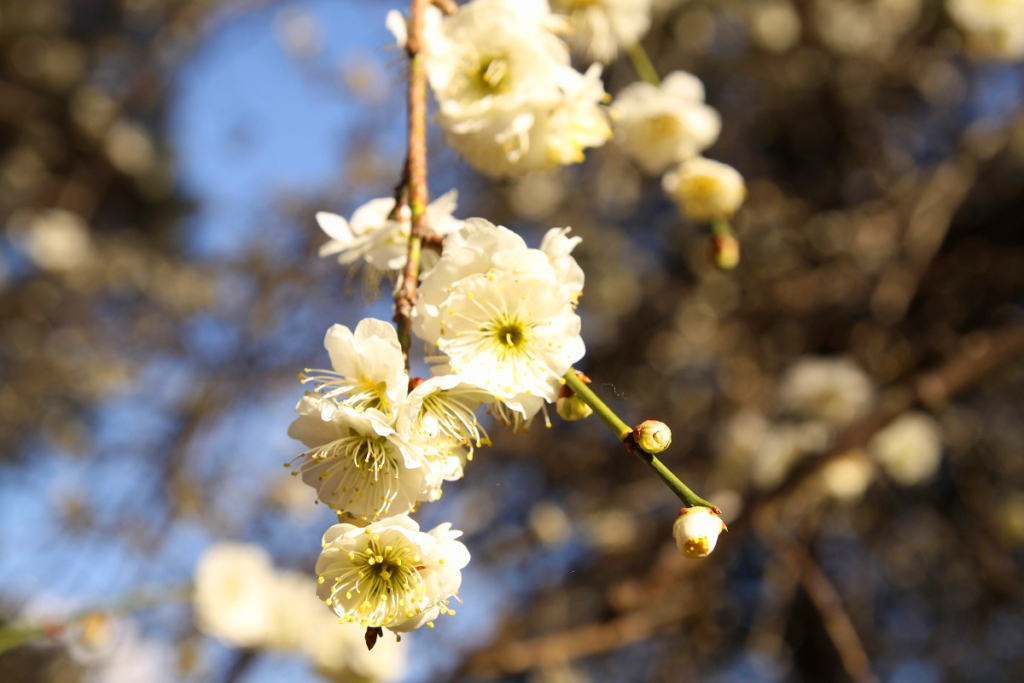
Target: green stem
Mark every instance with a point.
(642, 63)
(625, 434)
(20, 633)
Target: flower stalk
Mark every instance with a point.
(642, 63)
(625, 434)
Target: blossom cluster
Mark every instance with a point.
(509, 99)
(243, 600)
(499, 318)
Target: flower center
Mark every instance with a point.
(490, 76)
(511, 334)
(387, 579)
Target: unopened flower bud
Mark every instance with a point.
(573, 408)
(725, 251)
(696, 531)
(653, 436)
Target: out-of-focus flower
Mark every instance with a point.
(783, 446)
(865, 27)
(653, 436)
(54, 239)
(390, 573)
(509, 100)
(357, 462)
(696, 531)
(909, 449)
(232, 582)
(705, 190)
(994, 28)
(832, 389)
(368, 368)
(847, 477)
(775, 25)
(301, 624)
(381, 241)
(599, 28)
(658, 126)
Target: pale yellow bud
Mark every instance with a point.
(696, 531)
(573, 408)
(653, 436)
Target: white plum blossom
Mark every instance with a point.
(357, 462)
(705, 190)
(301, 624)
(994, 28)
(379, 239)
(909, 449)
(368, 368)
(502, 316)
(508, 98)
(443, 409)
(232, 581)
(511, 333)
(559, 247)
(696, 531)
(847, 477)
(390, 574)
(832, 389)
(658, 126)
(599, 28)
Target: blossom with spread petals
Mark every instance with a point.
(390, 574)
(368, 368)
(658, 126)
(357, 461)
(442, 410)
(380, 239)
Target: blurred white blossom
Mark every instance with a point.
(832, 389)
(509, 100)
(232, 582)
(847, 477)
(705, 190)
(994, 28)
(909, 449)
(865, 27)
(599, 28)
(54, 239)
(661, 125)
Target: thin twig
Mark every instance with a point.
(446, 6)
(625, 435)
(415, 173)
(825, 598)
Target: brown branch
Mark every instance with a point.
(826, 600)
(415, 174)
(560, 648)
(982, 353)
(446, 6)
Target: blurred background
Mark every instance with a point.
(160, 165)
